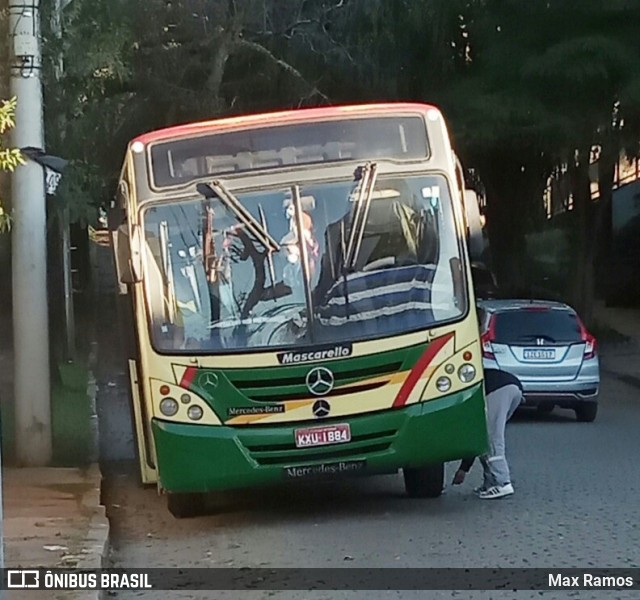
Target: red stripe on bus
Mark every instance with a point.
(188, 377)
(420, 367)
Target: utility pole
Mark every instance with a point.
(29, 244)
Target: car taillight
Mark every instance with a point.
(487, 338)
(590, 342)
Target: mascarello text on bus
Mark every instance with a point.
(299, 300)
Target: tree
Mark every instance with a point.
(544, 83)
(10, 158)
(587, 78)
(135, 66)
(527, 87)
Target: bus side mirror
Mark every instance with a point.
(128, 253)
(474, 225)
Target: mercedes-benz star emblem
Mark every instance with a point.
(320, 381)
(321, 408)
(207, 379)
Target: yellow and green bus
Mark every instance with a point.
(301, 300)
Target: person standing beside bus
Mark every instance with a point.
(503, 396)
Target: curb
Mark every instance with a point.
(97, 539)
(98, 535)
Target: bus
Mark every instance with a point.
(301, 305)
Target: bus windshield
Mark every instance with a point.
(354, 260)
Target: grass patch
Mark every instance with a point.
(72, 437)
(71, 416)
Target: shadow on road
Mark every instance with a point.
(532, 415)
(378, 497)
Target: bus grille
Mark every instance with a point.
(271, 390)
(288, 454)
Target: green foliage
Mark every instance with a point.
(10, 158)
(523, 84)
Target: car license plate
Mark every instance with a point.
(323, 436)
(537, 354)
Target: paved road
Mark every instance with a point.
(576, 505)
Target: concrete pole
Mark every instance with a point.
(2, 595)
(29, 245)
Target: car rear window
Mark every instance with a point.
(526, 326)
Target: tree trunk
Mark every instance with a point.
(609, 157)
(220, 56)
(511, 192)
(582, 292)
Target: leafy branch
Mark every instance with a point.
(10, 158)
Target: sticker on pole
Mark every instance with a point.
(52, 180)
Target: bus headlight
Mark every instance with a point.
(168, 407)
(195, 413)
(466, 373)
(443, 384)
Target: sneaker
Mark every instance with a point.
(497, 491)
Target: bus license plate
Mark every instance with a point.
(323, 436)
(539, 354)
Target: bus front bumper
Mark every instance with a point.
(201, 458)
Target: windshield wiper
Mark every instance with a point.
(272, 269)
(167, 271)
(216, 189)
(363, 203)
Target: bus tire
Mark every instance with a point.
(186, 506)
(425, 482)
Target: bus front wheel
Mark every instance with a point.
(426, 482)
(186, 506)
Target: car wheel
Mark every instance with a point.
(586, 413)
(426, 482)
(186, 506)
(545, 408)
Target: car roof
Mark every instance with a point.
(494, 306)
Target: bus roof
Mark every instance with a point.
(281, 117)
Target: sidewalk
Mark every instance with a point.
(54, 518)
(621, 358)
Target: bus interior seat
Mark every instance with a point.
(221, 164)
(289, 155)
(332, 151)
(244, 161)
(315, 154)
(266, 159)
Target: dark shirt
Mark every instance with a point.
(494, 379)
